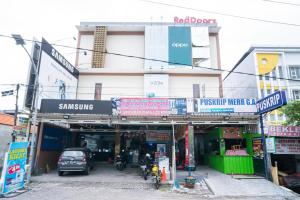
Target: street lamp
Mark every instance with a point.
(20, 41)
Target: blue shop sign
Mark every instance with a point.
(271, 102)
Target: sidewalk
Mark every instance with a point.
(226, 185)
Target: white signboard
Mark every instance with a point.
(270, 144)
(57, 77)
(221, 105)
(156, 85)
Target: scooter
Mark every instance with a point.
(120, 163)
(156, 176)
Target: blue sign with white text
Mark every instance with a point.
(15, 167)
(180, 46)
(271, 102)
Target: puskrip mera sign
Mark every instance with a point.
(271, 102)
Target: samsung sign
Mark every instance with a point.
(76, 106)
(54, 54)
(271, 102)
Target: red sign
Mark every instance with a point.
(194, 20)
(144, 107)
(187, 153)
(283, 131)
(287, 146)
(13, 169)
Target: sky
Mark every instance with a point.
(55, 20)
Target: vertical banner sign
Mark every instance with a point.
(187, 149)
(15, 167)
(180, 48)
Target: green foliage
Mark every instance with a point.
(292, 111)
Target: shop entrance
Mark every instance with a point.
(102, 145)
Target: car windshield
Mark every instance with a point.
(73, 153)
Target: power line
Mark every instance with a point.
(223, 14)
(134, 87)
(157, 60)
(281, 2)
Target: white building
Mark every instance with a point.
(265, 70)
(135, 60)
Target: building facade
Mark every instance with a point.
(262, 71)
(265, 70)
(148, 60)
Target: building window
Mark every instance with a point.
(268, 91)
(272, 117)
(196, 90)
(98, 90)
(274, 75)
(203, 90)
(262, 93)
(267, 76)
(280, 72)
(295, 72)
(296, 94)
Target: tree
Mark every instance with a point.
(292, 112)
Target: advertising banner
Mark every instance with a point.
(15, 167)
(156, 85)
(157, 137)
(76, 106)
(270, 145)
(20, 130)
(180, 46)
(221, 105)
(148, 106)
(57, 77)
(287, 146)
(283, 131)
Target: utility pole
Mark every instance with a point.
(20, 41)
(16, 112)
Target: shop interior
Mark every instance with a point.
(105, 141)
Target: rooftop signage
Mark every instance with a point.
(194, 20)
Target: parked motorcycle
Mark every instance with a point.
(156, 176)
(120, 163)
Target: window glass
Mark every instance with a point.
(73, 153)
(295, 72)
(267, 76)
(296, 94)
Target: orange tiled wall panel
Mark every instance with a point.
(99, 47)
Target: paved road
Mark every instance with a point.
(107, 183)
(77, 191)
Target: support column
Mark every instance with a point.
(117, 140)
(189, 148)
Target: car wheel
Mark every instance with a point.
(60, 173)
(87, 171)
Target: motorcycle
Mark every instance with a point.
(156, 175)
(120, 163)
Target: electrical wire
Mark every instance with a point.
(281, 2)
(157, 60)
(223, 14)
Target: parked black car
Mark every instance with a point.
(75, 159)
